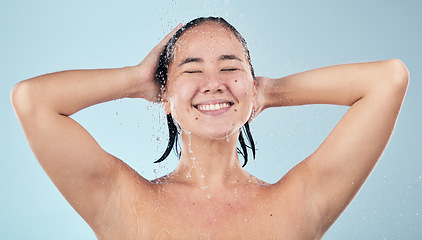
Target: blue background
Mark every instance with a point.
(284, 37)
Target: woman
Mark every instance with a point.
(210, 92)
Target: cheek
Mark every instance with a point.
(183, 92)
(179, 88)
(180, 97)
(242, 88)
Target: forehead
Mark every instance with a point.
(209, 38)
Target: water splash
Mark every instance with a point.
(189, 173)
(190, 142)
(150, 105)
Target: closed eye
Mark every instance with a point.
(192, 71)
(229, 69)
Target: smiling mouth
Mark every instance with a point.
(213, 107)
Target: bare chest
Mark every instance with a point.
(212, 218)
(248, 215)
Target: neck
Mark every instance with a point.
(210, 163)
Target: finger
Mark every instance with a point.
(170, 35)
(167, 38)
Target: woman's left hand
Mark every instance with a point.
(261, 98)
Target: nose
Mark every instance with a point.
(213, 84)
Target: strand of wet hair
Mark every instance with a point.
(172, 138)
(250, 138)
(244, 151)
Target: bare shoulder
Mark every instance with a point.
(292, 200)
(180, 211)
(129, 198)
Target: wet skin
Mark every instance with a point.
(209, 195)
(241, 210)
(211, 94)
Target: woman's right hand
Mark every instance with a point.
(148, 88)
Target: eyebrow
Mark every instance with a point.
(199, 60)
(189, 60)
(230, 57)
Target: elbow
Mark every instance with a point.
(398, 75)
(21, 99)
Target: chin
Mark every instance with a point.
(219, 134)
(214, 130)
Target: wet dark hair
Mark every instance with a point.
(161, 78)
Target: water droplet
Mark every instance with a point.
(190, 142)
(150, 105)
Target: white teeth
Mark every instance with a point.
(212, 107)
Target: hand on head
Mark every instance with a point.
(145, 70)
(260, 102)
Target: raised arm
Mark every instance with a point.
(85, 174)
(334, 173)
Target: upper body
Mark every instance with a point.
(209, 195)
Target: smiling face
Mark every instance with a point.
(210, 89)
